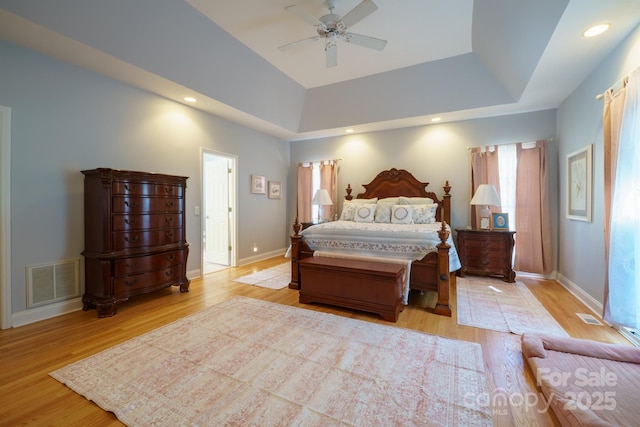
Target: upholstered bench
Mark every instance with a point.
(371, 286)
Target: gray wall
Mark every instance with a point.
(66, 119)
(581, 244)
(434, 153)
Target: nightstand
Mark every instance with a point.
(486, 252)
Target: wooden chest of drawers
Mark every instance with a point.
(487, 252)
(134, 236)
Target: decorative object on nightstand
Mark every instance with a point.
(486, 252)
(321, 199)
(486, 195)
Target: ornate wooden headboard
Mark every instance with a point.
(399, 182)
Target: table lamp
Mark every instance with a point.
(321, 199)
(486, 195)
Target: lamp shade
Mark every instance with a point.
(322, 198)
(486, 195)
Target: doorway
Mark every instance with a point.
(218, 212)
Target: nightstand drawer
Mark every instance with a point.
(496, 244)
(491, 263)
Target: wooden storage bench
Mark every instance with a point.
(375, 287)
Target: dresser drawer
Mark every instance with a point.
(147, 204)
(138, 239)
(145, 189)
(135, 282)
(127, 222)
(127, 266)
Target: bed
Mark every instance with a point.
(427, 248)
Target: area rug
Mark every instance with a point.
(248, 362)
(276, 277)
(506, 307)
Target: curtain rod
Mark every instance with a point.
(507, 143)
(622, 82)
(318, 161)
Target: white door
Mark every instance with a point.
(217, 213)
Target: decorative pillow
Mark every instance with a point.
(364, 201)
(391, 200)
(365, 213)
(424, 214)
(348, 211)
(414, 200)
(402, 214)
(383, 212)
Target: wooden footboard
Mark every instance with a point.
(430, 273)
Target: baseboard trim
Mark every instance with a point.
(46, 312)
(592, 304)
(261, 257)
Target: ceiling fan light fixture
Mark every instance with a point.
(333, 27)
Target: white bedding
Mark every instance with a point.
(402, 241)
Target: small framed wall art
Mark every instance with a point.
(579, 167)
(275, 190)
(258, 184)
(500, 221)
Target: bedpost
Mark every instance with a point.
(295, 254)
(349, 190)
(446, 203)
(442, 306)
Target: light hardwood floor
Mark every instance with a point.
(29, 396)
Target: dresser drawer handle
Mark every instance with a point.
(168, 273)
(169, 203)
(171, 257)
(130, 187)
(168, 220)
(168, 190)
(131, 221)
(131, 204)
(130, 283)
(131, 239)
(169, 234)
(134, 265)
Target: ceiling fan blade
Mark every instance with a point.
(358, 13)
(332, 55)
(301, 12)
(292, 45)
(366, 41)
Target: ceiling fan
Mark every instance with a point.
(332, 27)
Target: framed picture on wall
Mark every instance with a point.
(579, 169)
(258, 184)
(274, 190)
(500, 221)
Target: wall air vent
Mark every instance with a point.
(49, 283)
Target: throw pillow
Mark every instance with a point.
(365, 213)
(424, 214)
(402, 214)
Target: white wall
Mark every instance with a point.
(434, 153)
(66, 119)
(581, 244)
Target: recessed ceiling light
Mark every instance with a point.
(348, 131)
(189, 99)
(436, 119)
(596, 30)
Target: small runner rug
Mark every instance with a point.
(506, 307)
(248, 362)
(277, 277)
